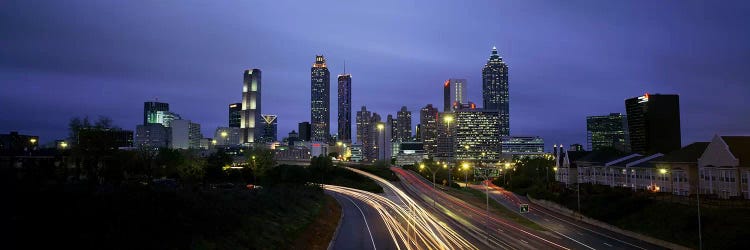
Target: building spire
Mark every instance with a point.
(494, 50)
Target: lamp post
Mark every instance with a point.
(466, 174)
(33, 143)
(433, 171)
(224, 135)
(255, 172)
(698, 200)
(381, 137)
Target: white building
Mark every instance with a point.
(724, 167)
(185, 134)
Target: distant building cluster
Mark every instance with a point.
(640, 148)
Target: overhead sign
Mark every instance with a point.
(486, 172)
(523, 208)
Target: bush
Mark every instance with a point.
(286, 174)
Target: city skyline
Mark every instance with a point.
(117, 87)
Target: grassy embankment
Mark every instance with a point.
(138, 218)
(722, 228)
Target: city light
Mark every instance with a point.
(32, 140)
(381, 126)
(662, 171)
(224, 134)
(448, 119)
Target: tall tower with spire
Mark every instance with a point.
(345, 106)
(495, 89)
(320, 106)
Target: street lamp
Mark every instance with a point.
(380, 127)
(433, 171)
(466, 174)
(224, 136)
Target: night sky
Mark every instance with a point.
(567, 59)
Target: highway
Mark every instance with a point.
(405, 218)
(400, 224)
(586, 235)
(500, 234)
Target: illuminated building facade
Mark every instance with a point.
(162, 117)
(477, 135)
(376, 128)
(320, 83)
(251, 106)
(428, 130)
(446, 129)
(402, 127)
(607, 131)
(150, 109)
(523, 145)
(364, 127)
(495, 89)
(454, 94)
(235, 115)
(654, 123)
(345, 108)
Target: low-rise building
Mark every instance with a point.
(724, 167)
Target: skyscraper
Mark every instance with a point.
(495, 89)
(428, 121)
(364, 132)
(446, 131)
(376, 128)
(607, 131)
(185, 134)
(403, 125)
(447, 96)
(235, 115)
(150, 109)
(477, 134)
(269, 133)
(393, 123)
(345, 107)
(654, 123)
(251, 106)
(454, 94)
(304, 129)
(320, 83)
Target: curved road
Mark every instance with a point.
(360, 227)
